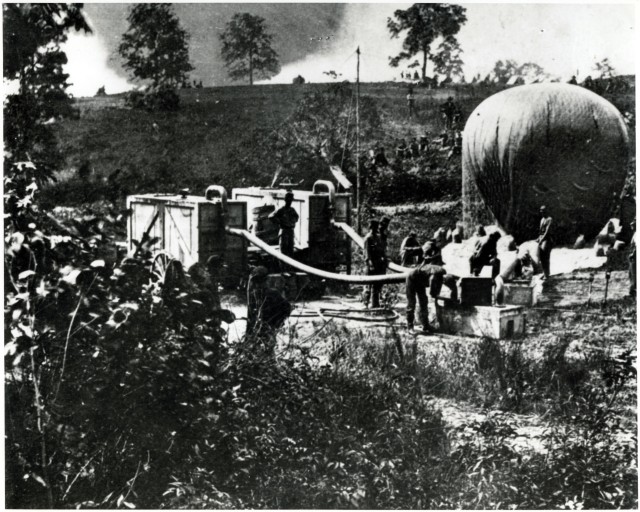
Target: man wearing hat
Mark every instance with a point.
(384, 236)
(375, 260)
(286, 218)
(545, 241)
(410, 251)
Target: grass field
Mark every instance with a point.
(191, 147)
(157, 151)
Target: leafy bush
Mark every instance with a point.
(406, 182)
(162, 98)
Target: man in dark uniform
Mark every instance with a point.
(433, 276)
(448, 109)
(375, 260)
(286, 218)
(410, 251)
(410, 102)
(545, 241)
(384, 235)
(486, 253)
(431, 253)
(424, 144)
(415, 148)
(401, 150)
(380, 159)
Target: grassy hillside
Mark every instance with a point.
(165, 151)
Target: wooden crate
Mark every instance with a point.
(497, 322)
(520, 293)
(476, 291)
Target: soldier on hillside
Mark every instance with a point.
(448, 110)
(415, 148)
(411, 102)
(380, 159)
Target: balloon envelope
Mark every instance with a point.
(557, 145)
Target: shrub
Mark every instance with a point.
(163, 98)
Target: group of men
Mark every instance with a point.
(267, 309)
(429, 269)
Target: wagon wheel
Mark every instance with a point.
(167, 271)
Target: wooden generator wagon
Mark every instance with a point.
(189, 229)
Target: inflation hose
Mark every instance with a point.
(345, 278)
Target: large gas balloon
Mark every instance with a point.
(557, 145)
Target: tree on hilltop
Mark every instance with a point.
(424, 23)
(247, 50)
(155, 48)
(604, 69)
(448, 61)
(529, 72)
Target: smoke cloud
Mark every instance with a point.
(363, 25)
(88, 66)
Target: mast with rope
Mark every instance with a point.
(358, 177)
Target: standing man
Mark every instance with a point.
(545, 241)
(486, 253)
(380, 159)
(286, 218)
(410, 102)
(632, 261)
(376, 262)
(448, 109)
(415, 148)
(384, 236)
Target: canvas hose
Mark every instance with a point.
(344, 278)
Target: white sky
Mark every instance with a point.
(563, 39)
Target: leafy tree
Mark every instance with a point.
(504, 70)
(448, 61)
(247, 50)
(320, 132)
(604, 69)
(32, 34)
(424, 23)
(155, 48)
(532, 72)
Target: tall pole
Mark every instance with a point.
(358, 177)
